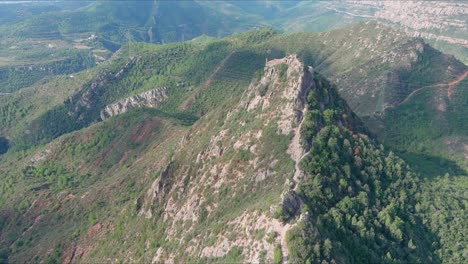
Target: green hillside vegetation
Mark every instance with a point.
(18, 110)
(442, 206)
(373, 85)
(359, 60)
(359, 197)
(183, 67)
(66, 37)
(97, 161)
(73, 182)
(13, 78)
(103, 27)
(76, 165)
(14, 12)
(100, 155)
(116, 23)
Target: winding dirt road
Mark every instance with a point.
(455, 82)
(450, 85)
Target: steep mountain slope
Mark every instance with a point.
(386, 77)
(377, 65)
(273, 142)
(15, 77)
(121, 21)
(19, 110)
(185, 69)
(27, 57)
(238, 160)
(430, 127)
(79, 183)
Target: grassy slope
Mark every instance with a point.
(24, 72)
(184, 68)
(83, 180)
(18, 110)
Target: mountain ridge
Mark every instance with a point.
(222, 153)
(253, 155)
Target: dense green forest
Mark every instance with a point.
(359, 197)
(442, 205)
(421, 130)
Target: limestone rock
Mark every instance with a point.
(152, 99)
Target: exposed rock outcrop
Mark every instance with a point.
(291, 204)
(152, 99)
(193, 194)
(284, 79)
(87, 100)
(156, 194)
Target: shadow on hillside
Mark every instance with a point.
(4, 145)
(431, 166)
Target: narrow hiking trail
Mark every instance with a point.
(216, 70)
(208, 81)
(450, 85)
(296, 151)
(455, 82)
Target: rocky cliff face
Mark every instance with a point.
(232, 184)
(88, 99)
(254, 153)
(152, 99)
